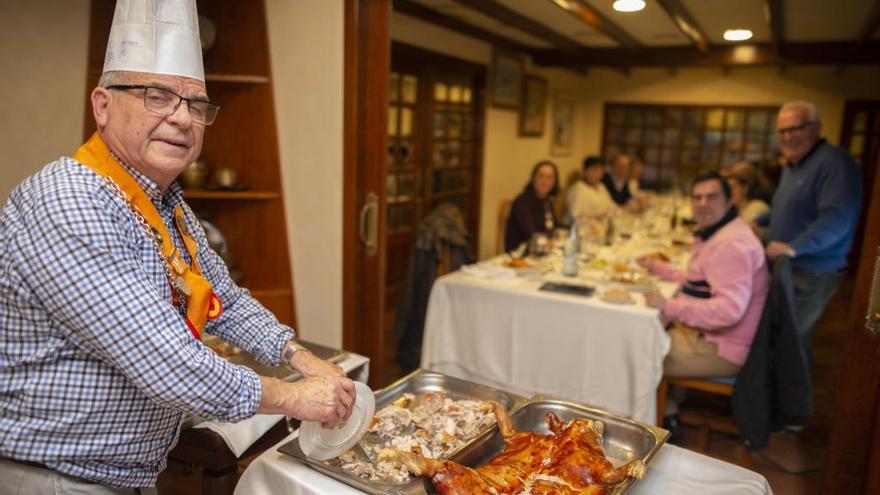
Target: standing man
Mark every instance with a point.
(616, 180)
(815, 212)
(107, 283)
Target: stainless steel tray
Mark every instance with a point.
(625, 439)
(417, 382)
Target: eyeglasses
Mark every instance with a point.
(797, 129)
(165, 103)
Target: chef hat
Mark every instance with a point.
(155, 36)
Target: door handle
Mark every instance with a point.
(368, 225)
(872, 319)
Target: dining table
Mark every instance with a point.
(495, 323)
(673, 471)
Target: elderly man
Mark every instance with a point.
(717, 310)
(616, 180)
(107, 282)
(815, 212)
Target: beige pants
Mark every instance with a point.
(692, 356)
(24, 479)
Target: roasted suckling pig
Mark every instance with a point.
(569, 460)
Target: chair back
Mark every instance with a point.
(503, 215)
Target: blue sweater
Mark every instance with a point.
(816, 208)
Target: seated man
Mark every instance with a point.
(617, 179)
(588, 198)
(716, 312)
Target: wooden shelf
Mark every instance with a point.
(232, 195)
(277, 292)
(237, 78)
(244, 139)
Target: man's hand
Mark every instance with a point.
(327, 399)
(647, 261)
(310, 365)
(776, 249)
(655, 300)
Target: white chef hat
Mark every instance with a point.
(155, 36)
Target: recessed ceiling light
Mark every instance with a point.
(737, 34)
(629, 5)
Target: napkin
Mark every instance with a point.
(484, 270)
(239, 436)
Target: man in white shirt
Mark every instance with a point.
(588, 198)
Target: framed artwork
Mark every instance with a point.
(534, 105)
(505, 80)
(562, 132)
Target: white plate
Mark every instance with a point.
(321, 443)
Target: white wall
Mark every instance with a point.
(306, 41)
(43, 48)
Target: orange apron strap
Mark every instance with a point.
(201, 302)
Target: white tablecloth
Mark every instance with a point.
(674, 471)
(509, 335)
(240, 436)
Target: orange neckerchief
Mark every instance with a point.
(201, 302)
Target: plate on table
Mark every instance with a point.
(523, 267)
(634, 281)
(617, 295)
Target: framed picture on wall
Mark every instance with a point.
(562, 130)
(505, 80)
(534, 106)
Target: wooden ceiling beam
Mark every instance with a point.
(686, 23)
(514, 19)
(872, 22)
(775, 22)
(413, 9)
(832, 53)
(593, 18)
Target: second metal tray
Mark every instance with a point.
(624, 439)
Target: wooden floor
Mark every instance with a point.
(828, 351)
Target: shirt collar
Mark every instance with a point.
(812, 150)
(709, 231)
(173, 195)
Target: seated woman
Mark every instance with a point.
(532, 211)
(588, 198)
(741, 178)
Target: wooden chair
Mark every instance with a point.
(705, 421)
(503, 214)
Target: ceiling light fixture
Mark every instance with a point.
(737, 34)
(629, 5)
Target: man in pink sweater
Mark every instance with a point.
(716, 311)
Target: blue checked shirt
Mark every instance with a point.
(96, 364)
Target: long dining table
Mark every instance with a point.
(505, 332)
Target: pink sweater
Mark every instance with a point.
(724, 289)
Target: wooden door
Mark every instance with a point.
(434, 134)
(367, 63)
(860, 135)
(854, 456)
(434, 154)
